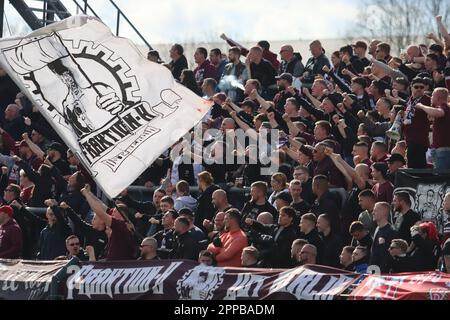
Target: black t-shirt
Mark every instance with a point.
(63, 167)
(301, 208)
(252, 210)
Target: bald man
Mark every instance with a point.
(383, 236)
(220, 200)
(373, 47)
(291, 62)
(14, 123)
(315, 64)
(148, 249)
(265, 218)
(308, 254)
(440, 111)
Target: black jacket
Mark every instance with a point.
(252, 210)
(205, 209)
(332, 250)
(15, 128)
(315, 239)
(186, 247)
(147, 209)
(409, 219)
(53, 238)
(401, 264)
(264, 72)
(280, 256)
(381, 243)
(425, 254)
(44, 185)
(314, 67)
(295, 67)
(178, 66)
(328, 204)
(31, 225)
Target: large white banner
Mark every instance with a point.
(113, 107)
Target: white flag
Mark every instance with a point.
(116, 110)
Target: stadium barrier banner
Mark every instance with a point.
(187, 280)
(27, 280)
(115, 109)
(407, 286)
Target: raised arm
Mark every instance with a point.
(443, 31)
(433, 112)
(314, 101)
(350, 172)
(244, 126)
(340, 82)
(33, 175)
(293, 130)
(97, 205)
(263, 103)
(34, 147)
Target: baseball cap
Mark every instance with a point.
(360, 44)
(396, 157)
(8, 210)
(285, 76)
(419, 80)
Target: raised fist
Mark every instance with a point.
(110, 102)
(86, 189)
(50, 202)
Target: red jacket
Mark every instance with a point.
(229, 255)
(10, 240)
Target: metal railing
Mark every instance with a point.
(53, 9)
(87, 9)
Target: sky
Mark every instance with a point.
(168, 21)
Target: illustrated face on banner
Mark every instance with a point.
(429, 201)
(200, 283)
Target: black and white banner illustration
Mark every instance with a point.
(113, 107)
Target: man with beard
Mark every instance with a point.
(283, 233)
(285, 91)
(235, 70)
(406, 217)
(309, 232)
(220, 202)
(416, 126)
(258, 203)
(148, 249)
(228, 247)
(71, 193)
